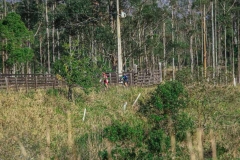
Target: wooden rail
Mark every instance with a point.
(28, 81)
(34, 81)
(140, 78)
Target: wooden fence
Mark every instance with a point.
(143, 78)
(28, 81)
(34, 81)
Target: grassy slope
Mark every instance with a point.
(28, 117)
(29, 120)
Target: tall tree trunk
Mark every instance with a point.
(238, 45)
(225, 45)
(213, 41)
(40, 52)
(204, 42)
(216, 42)
(191, 37)
(120, 66)
(47, 30)
(191, 53)
(173, 49)
(53, 34)
(5, 8)
(58, 45)
(3, 58)
(164, 51)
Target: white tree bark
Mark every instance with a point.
(47, 30)
(213, 42)
(164, 51)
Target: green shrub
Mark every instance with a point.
(158, 142)
(103, 154)
(119, 132)
(166, 100)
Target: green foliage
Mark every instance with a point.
(77, 70)
(183, 123)
(120, 153)
(17, 37)
(103, 154)
(34, 7)
(21, 55)
(143, 145)
(122, 132)
(158, 142)
(53, 92)
(169, 98)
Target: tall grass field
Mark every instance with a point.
(43, 124)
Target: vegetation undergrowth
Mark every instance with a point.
(44, 124)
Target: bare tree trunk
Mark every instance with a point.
(164, 51)
(238, 43)
(191, 53)
(120, 66)
(204, 43)
(40, 52)
(53, 34)
(3, 58)
(219, 54)
(216, 43)
(47, 30)
(191, 37)
(225, 46)
(173, 49)
(58, 45)
(213, 42)
(5, 8)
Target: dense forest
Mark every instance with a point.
(197, 35)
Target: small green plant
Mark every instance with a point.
(53, 92)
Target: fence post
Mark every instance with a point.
(131, 78)
(117, 77)
(26, 83)
(16, 84)
(110, 78)
(45, 85)
(54, 82)
(6, 81)
(160, 70)
(36, 83)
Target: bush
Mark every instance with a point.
(158, 142)
(119, 132)
(167, 100)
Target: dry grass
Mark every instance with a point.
(47, 125)
(41, 125)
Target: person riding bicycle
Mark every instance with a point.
(125, 80)
(105, 80)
